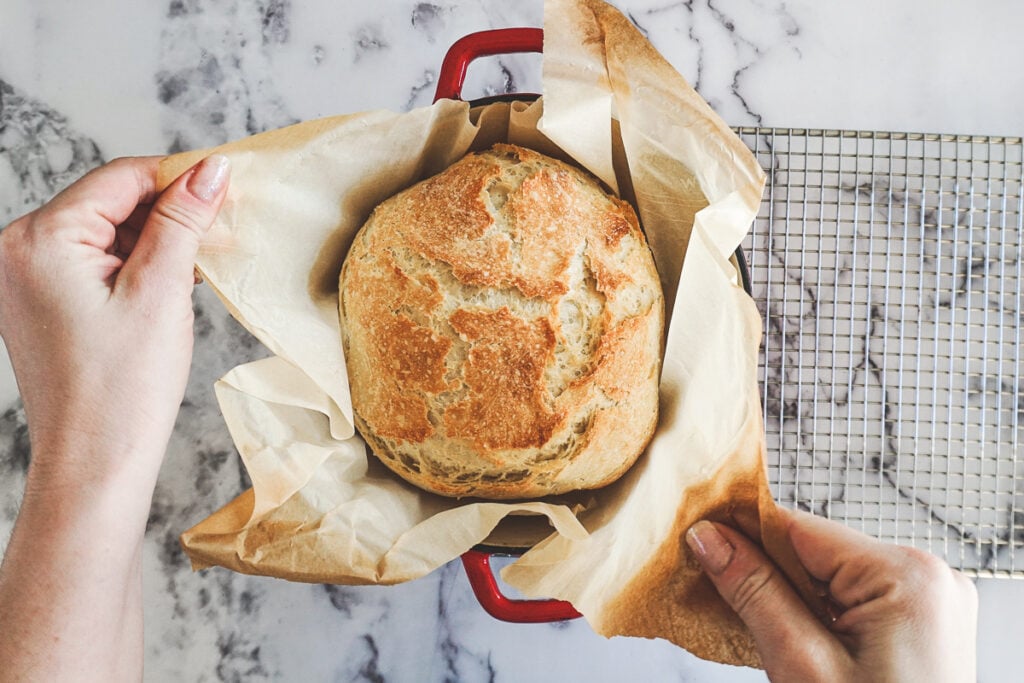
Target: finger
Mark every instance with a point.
(847, 560)
(124, 241)
(138, 217)
(783, 627)
(127, 234)
(111, 192)
(166, 249)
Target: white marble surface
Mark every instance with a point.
(81, 83)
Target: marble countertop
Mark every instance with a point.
(82, 83)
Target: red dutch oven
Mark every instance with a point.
(477, 562)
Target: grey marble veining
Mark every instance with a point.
(701, 30)
(40, 153)
(211, 65)
(79, 85)
(14, 459)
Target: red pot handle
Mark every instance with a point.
(487, 591)
(481, 44)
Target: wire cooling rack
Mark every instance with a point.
(887, 268)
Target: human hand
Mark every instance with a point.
(906, 616)
(95, 309)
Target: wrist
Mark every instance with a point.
(73, 469)
(95, 423)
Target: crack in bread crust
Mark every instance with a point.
(502, 327)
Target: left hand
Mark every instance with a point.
(96, 311)
(906, 616)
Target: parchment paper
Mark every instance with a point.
(321, 510)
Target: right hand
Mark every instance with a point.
(906, 616)
(96, 311)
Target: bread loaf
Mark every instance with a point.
(502, 327)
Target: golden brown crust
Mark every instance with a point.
(502, 327)
(514, 372)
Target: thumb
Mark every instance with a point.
(792, 643)
(166, 249)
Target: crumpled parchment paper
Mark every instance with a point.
(322, 510)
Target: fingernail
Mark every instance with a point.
(209, 177)
(710, 547)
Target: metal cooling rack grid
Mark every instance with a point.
(887, 268)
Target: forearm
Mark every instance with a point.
(70, 584)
